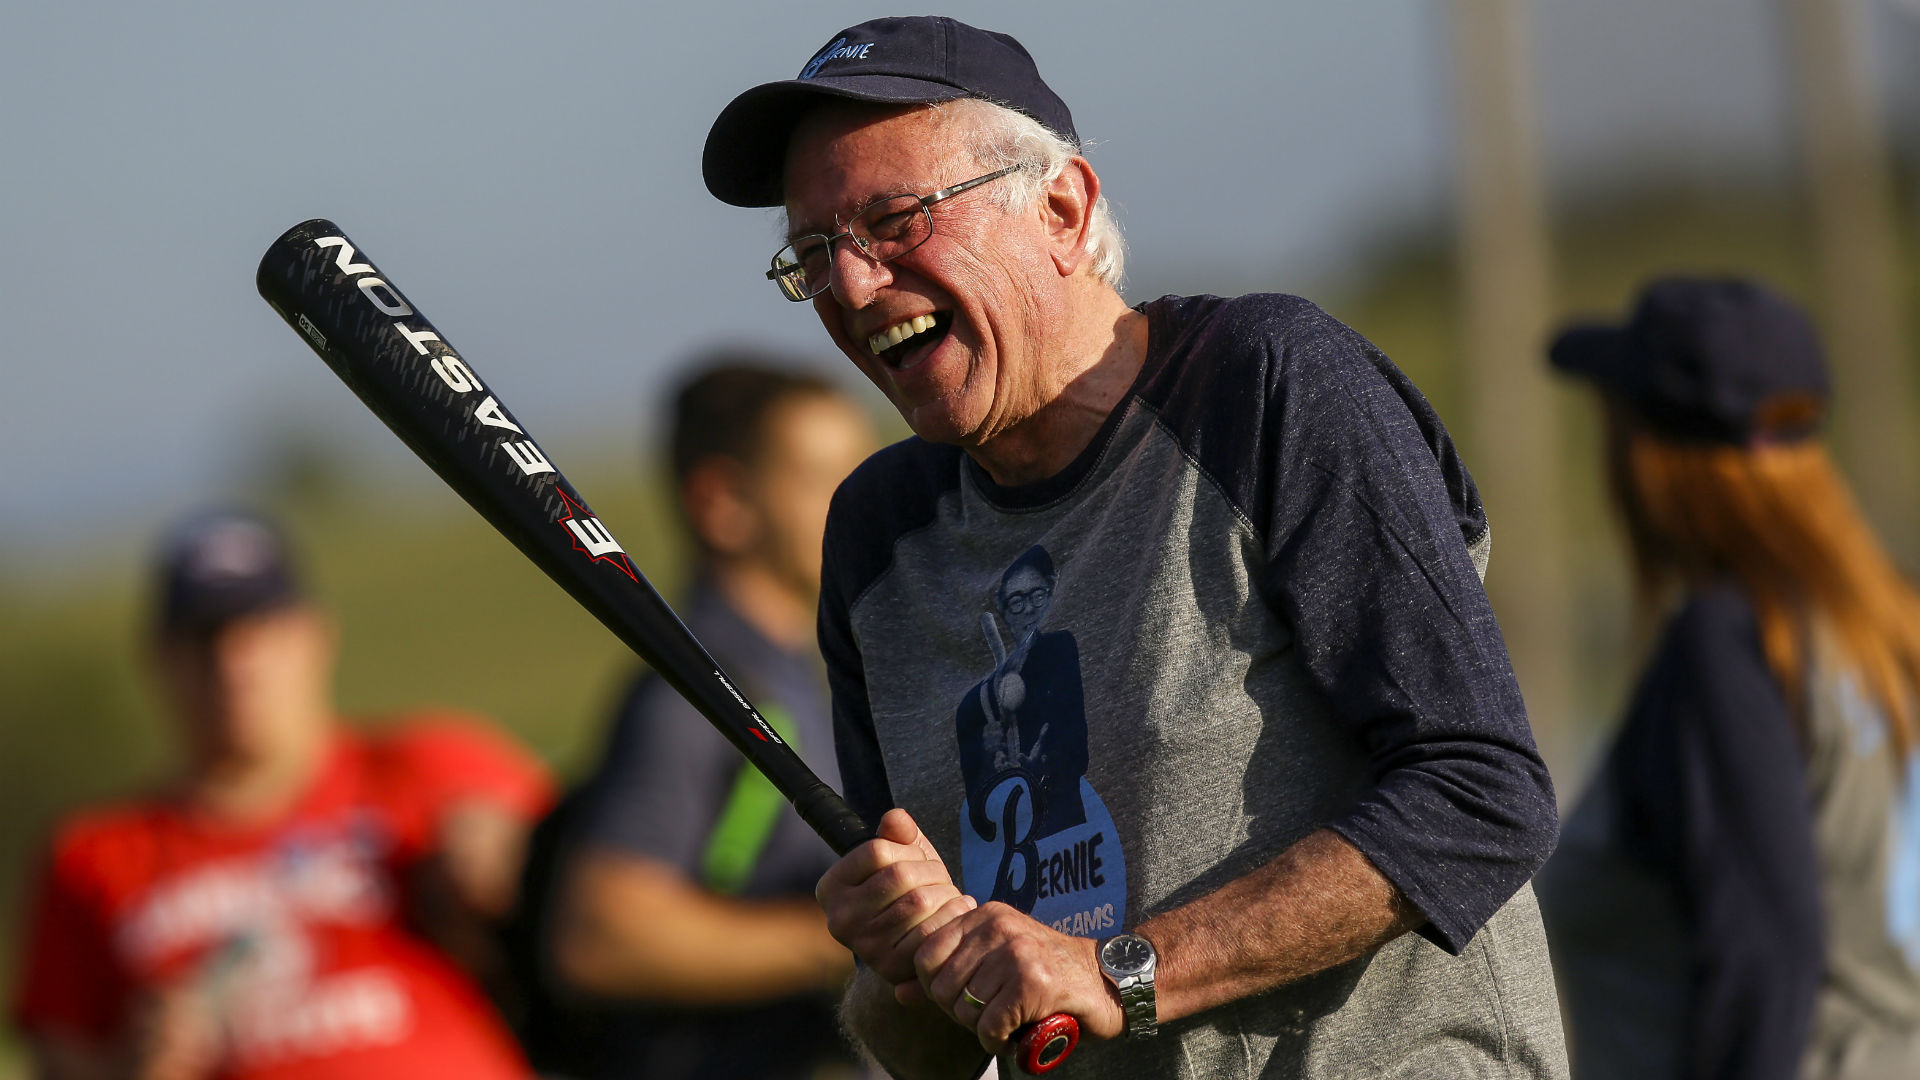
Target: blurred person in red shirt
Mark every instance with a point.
(260, 915)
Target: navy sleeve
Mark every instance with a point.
(661, 781)
(1716, 794)
(1369, 517)
(890, 495)
(856, 749)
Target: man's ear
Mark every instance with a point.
(1068, 210)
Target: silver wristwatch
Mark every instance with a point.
(1128, 960)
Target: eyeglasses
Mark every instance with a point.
(883, 232)
(1033, 599)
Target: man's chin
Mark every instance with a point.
(245, 746)
(937, 423)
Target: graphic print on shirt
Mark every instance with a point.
(1033, 832)
(242, 931)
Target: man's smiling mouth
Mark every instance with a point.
(902, 340)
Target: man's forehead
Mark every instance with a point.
(1025, 578)
(843, 155)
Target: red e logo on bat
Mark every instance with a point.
(592, 538)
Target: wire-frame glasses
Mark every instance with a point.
(884, 231)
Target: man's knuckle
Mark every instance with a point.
(924, 902)
(894, 877)
(916, 905)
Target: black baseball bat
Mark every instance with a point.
(388, 354)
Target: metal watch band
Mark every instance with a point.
(1138, 1004)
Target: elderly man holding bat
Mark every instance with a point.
(1160, 656)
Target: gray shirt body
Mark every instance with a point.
(1250, 610)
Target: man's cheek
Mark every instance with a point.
(876, 373)
(826, 308)
(862, 358)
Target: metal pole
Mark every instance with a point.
(1506, 278)
(1857, 262)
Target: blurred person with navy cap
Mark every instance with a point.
(1160, 656)
(265, 912)
(1720, 361)
(1738, 893)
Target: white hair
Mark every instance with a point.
(1001, 136)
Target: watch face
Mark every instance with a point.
(1127, 954)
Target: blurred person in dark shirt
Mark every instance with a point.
(1738, 893)
(260, 915)
(687, 893)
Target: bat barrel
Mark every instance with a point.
(397, 362)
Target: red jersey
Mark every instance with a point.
(294, 929)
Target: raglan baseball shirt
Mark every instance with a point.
(1250, 609)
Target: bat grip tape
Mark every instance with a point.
(828, 814)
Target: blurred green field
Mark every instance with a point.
(437, 609)
(433, 606)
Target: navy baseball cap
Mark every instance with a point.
(222, 565)
(1704, 359)
(899, 61)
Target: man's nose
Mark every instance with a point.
(856, 276)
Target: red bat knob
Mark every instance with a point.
(1047, 1043)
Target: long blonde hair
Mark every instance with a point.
(1780, 520)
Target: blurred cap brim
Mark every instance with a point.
(1592, 351)
(207, 611)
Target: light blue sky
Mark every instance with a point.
(529, 175)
